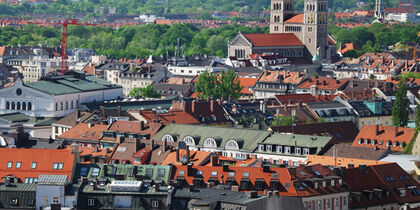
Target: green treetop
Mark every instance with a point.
(209, 85)
(400, 111)
(146, 92)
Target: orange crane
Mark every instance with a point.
(64, 64)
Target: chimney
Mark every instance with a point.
(177, 154)
(266, 168)
(157, 186)
(141, 125)
(120, 139)
(324, 82)
(90, 125)
(105, 170)
(95, 184)
(193, 104)
(214, 160)
(396, 131)
(342, 170)
(292, 171)
(164, 145)
(102, 108)
(119, 111)
(234, 109)
(212, 105)
(300, 104)
(252, 194)
(188, 153)
(351, 83)
(235, 188)
(151, 144)
(55, 206)
(362, 168)
(75, 151)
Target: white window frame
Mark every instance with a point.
(91, 202)
(189, 141)
(287, 150)
(210, 143)
(155, 204)
(279, 149)
(306, 151)
(261, 148)
(168, 138)
(298, 150)
(9, 164)
(33, 165)
(232, 145)
(269, 148)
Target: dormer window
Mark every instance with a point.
(232, 145)
(9, 164)
(395, 144)
(306, 151)
(18, 164)
(268, 148)
(278, 149)
(168, 138)
(57, 166)
(209, 142)
(340, 182)
(287, 150)
(316, 185)
(33, 165)
(297, 151)
(360, 141)
(332, 183)
(261, 148)
(324, 184)
(189, 141)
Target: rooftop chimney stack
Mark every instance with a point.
(193, 104)
(396, 131)
(212, 105)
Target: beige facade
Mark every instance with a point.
(376, 120)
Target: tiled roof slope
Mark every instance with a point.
(340, 161)
(348, 151)
(322, 83)
(44, 159)
(269, 40)
(395, 137)
(296, 19)
(172, 116)
(84, 131)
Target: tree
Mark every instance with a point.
(209, 85)
(146, 92)
(282, 121)
(400, 111)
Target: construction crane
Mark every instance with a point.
(64, 64)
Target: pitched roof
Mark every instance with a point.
(322, 83)
(269, 40)
(340, 161)
(286, 76)
(307, 141)
(349, 46)
(172, 116)
(396, 137)
(85, 131)
(247, 83)
(247, 139)
(348, 151)
(197, 157)
(44, 159)
(72, 119)
(296, 19)
(344, 131)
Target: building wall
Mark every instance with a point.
(46, 193)
(377, 120)
(108, 201)
(338, 201)
(23, 196)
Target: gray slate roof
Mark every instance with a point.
(52, 179)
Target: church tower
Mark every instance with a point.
(315, 35)
(379, 9)
(281, 10)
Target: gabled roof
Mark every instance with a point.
(72, 119)
(282, 76)
(271, 40)
(85, 131)
(348, 151)
(299, 18)
(44, 159)
(172, 116)
(307, 141)
(383, 135)
(197, 157)
(322, 83)
(247, 139)
(340, 161)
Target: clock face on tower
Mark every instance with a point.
(310, 17)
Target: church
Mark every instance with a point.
(292, 34)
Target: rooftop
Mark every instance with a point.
(270, 40)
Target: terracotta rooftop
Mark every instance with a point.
(247, 83)
(287, 76)
(299, 18)
(197, 157)
(34, 162)
(384, 137)
(340, 161)
(348, 151)
(72, 119)
(268, 40)
(323, 83)
(349, 46)
(85, 131)
(172, 116)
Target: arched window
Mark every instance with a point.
(167, 138)
(67, 105)
(29, 106)
(18, 105)
(7, 105)
(232, 145)
(23, 105)
(13, 105)
(72, 105)
(279, 6)
(189, 141)
(62, 106)
(56, 106)
(209, 142)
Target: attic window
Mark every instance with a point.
(161, 173)
(57, 166)
(83, 171)
(95, 172)
(389, 178)
(360, 141)
(9, 164)
(181, 173)
(246, 174)
(231, 174)
(33, 165)
(213, 173)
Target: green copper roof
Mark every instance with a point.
(315, 58)
(73, 82)
(17, 117)
(247, 139)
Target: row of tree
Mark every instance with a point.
(131, 41)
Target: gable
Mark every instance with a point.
(240, 40)
(25, 92)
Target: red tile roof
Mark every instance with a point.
(291, 77)
(296, 19)
(172, 116)
(44, 158)
(383, 135)
(323, 83)
(268, 40)
(197, 157)
(398, 10)
(295, 98)
(247, 83)
(340, 15)
(331, 41)
(340, 161)
(84, 131)
(89, 69)
(349, 46)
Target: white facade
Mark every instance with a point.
(188, 70)
(35, 103)
(46, 194)
(33, 69)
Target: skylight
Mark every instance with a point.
(317, 173)
(95, 172)
(83, 171)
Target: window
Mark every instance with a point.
(31, 202)
(7, 105)
(306, 151)
(168, 138)
(319, 204)
(337, 202)
(58, 166)
(213, 173)
(29, 106)
(83, 171)
(181, 173)
(161, 172)
(261, 148)
(91, 202)
(95, 172)
(344, 201)
(14, 201)
(199, 173)
(231, 174)
(287, 150)
(246, 174)
(278, 149)
(23, 105)
(268, 148)
(328, 203)
(155, 204)
(9, 164)
(232, 144)
(149, 172)
(189, 141)
(297, 151)
(18, 164)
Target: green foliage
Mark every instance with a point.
(415, 75)
(409, 147)
(282, 121)
(351, 54)
(246, 121)
(377, 37)
(146, 92)
(400, 111)
(417, 120)
(209, 85)
(130, 41)
(321, 120)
